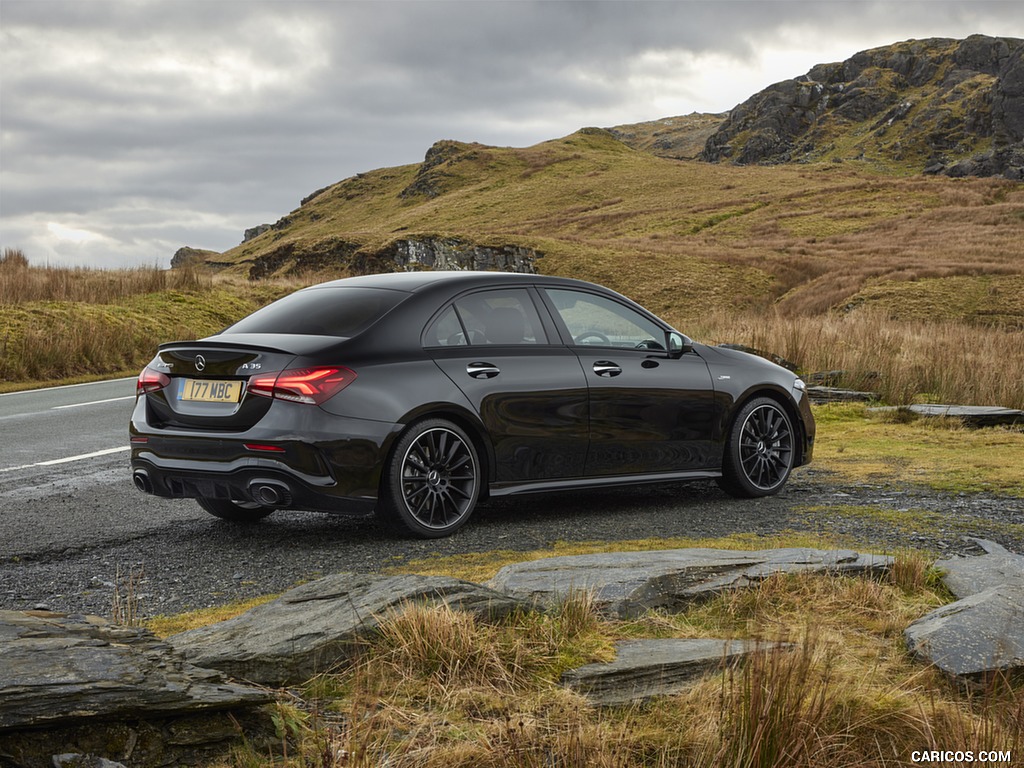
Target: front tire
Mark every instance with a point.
(760, 452)
(432, 481)
(235, 511)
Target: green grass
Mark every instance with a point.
(861, 447)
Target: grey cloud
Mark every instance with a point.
(228, 112)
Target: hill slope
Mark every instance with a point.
(848, 222)
(685, 237)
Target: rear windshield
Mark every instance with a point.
(321, 312)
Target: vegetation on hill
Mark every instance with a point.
(913, 282)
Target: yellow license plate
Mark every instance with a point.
(210, 391)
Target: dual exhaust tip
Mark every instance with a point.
(266, 493)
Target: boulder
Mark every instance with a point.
(643, 669)
(313, 628)
(626, 584)
(56, 668)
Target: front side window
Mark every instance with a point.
(601, 322)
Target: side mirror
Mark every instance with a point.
(677, 344)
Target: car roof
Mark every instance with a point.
(412, 282)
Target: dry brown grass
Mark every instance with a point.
(902, 360)
(20, 283)
(439, 688)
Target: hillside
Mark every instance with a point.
(684, 237)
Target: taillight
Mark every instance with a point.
(302, 385)
(151, 381)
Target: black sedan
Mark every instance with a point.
(420, 394)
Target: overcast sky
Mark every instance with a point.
(133, 127)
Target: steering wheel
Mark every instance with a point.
(650, 344)
(592, 335)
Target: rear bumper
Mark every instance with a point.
(334, 468)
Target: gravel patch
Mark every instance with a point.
(197, 561)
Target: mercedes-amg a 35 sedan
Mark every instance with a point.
(419, 394)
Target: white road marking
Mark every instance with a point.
(82, 457)
(64, 386)
(94, 402)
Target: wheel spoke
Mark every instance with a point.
(765, 447)
(439, 479)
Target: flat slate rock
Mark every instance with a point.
(821, 395)
(313, 628)
(643, 669)
(966, 576)
(57, 669)
(979, 634)
(626, 584)
(970, 415)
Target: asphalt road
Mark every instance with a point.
(72, 524)
(63, 471)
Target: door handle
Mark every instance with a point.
(482, 370)
(606, 368)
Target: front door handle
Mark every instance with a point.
(482, 370)
(606, 368)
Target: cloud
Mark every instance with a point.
(157, 124)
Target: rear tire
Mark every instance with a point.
(760, 452)
(432, 480)
(235, 511)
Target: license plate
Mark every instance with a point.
(210, 391)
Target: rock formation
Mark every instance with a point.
(940, 105)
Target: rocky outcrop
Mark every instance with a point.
(253, 232)
(946, 106)
(454, 253)
(983, 631)
(83, 682)
(626, 584)
(643, 669)
(186, 255)
(315, 627)
(56, 668)
(438, 169)
(406, 254)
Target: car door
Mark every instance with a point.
(649, 413)
(530, 394)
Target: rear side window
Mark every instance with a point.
(343, 312)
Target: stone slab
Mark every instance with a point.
(981, 633)
(970, 415)
(643, 669)
(313, 628)
(966, 576)
(56, 669)
(626, 584)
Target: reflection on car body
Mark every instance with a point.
(419, 394)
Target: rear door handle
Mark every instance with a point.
(606, 368)
(482, 370)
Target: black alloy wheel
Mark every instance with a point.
(235, 511)
(759, 455)
(433, 480)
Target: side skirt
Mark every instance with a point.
(542, 486)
